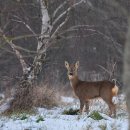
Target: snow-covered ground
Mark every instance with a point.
(53, 119)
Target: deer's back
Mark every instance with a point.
(91, 90)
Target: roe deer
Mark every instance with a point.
(85, 90)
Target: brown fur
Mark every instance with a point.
(85, 90)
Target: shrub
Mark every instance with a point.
(22, 99)
(44, 97)
(26, 98)
(103, 127)
(23, 117)
(70, 112)
(40, 118)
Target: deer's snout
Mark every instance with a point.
(70, 73)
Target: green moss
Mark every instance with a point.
(95, 115)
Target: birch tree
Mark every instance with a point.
(49, 32)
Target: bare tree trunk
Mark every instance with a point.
(43, 41)
(127, 69)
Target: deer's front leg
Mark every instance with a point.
(86, 106)
(81, 106)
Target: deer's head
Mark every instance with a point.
(72, 69)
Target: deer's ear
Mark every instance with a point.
(77, 64)
(66, 64)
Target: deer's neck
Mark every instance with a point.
(74, 81)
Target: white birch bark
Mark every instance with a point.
(42, 41)
(45, 29)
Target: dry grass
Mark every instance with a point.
(45, 96)
(22, 100)
(26, 98)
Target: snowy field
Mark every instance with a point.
(54, 119)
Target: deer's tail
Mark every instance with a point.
(115, 88)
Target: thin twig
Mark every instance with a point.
(104, 69)
(65, 12)
(58, 8)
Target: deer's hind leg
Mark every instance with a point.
(111, 106)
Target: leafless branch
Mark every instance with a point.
(26, 36)
(60, 26)
(69, 37)
(104, 69)
(18, 54)
(74, 28)
(65, 12)
(116, 44)
(112, 71)
(12, 52)
(58, 8)
(25, 50)
(26, 25)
